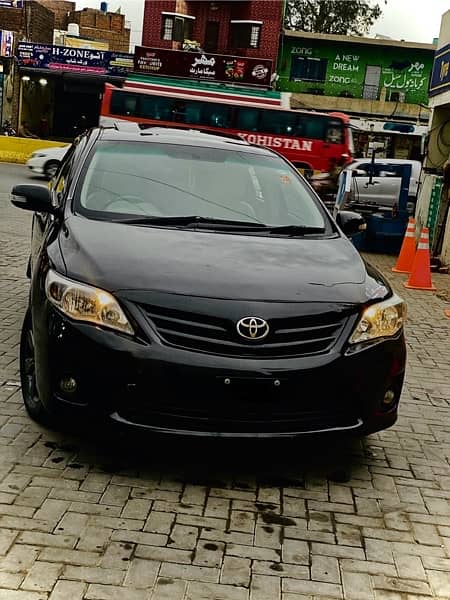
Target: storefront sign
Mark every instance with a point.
(440, 76)
(75, 60)
(198, 65)
(6, 43)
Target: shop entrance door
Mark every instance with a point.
(72, 100)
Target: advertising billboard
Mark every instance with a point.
(74, 60)
(6, 42)
(202, 65)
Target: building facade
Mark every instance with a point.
(102, 26)
(32, 21)
(433, 210)
(61, 9)
(382, 84)
(247, 28)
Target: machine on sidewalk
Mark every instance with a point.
(386, 226)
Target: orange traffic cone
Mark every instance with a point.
(406, 257)
(420, 278)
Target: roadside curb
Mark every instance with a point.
(18, 150)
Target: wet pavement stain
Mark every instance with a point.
(319, 517)
(210, 547)
(263, 506)
(274, 519)
(165, 581)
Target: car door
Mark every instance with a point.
(382, 190)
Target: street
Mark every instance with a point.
(90, 515)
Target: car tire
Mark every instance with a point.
(31, 400)
(50, 168)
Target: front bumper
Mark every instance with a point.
(36, 165)
(170, 390)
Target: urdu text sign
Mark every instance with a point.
(440, 76)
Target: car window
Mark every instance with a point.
(362, 170)
(60, 181)
(151, 179)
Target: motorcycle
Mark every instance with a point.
(8, 129)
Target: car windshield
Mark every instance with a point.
(129, 180)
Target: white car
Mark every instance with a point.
(384, 189)
(47, 160)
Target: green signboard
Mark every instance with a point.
(334, 68)
(433, 209)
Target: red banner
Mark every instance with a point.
(201, 65)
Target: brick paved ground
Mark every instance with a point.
(103, 519)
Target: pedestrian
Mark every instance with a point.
(25, 131)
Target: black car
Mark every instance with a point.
(193, 284)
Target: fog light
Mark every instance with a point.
(68, 385)
(389, 398)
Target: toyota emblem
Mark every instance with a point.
(252, 328)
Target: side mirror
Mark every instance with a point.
(33, 197)
(351, 223)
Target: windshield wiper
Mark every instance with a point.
(294, 229)
(187, 221)
(225, 224)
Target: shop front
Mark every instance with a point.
(61, 87)
(434, 201)
(391, 139)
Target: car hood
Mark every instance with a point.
(216, 265)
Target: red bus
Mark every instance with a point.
(312, 141)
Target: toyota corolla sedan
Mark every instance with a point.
(186, 283)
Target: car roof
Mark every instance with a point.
(182, 136)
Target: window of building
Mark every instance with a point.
(308, 69)
(176, 27)
(212, 36)
(245, 34)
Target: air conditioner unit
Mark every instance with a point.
(397, 97)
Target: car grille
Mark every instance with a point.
(291, 336)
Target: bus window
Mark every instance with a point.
(192, 114)
(310, 126)
(334, 133)
(247, 119)
(153, 107)
(123, 103)
(216, 115)
(179, 111)
(279, 122)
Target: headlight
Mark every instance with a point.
(380, 320)
(86, 303)
(37, 155)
